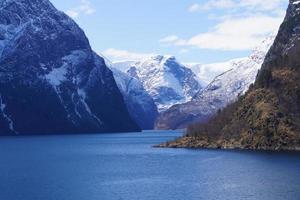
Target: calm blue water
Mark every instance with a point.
(126, 167)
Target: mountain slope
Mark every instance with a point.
(164, 78)
(139, 103)
(206, 73)
(51, 80)
(223, 90)
(268, 116)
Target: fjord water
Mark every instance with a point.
(126, 167)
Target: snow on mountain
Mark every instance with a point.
(166, 80)
(223, 90)
(51, 81)
(207, 72)
(139, 103)
(124, 66)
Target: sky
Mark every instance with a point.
(195, 31)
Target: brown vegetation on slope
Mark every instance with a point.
(267, 117)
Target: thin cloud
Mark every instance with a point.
(212, 4)
(117, 54)
(194, 8)
(85, 8)
(183, 51)
(240, 24)
(231, 34)
(265, 5)
(255, 5)
(72, 13)
(170, 38)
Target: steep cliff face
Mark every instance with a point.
(222, 91)
(50, 79)
(140, 104)
(268, 115)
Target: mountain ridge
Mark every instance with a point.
(51, 80)
(223, 90)
(164, 78)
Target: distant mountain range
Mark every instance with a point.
(166, 80)
(51, 80)
(223, 90)
(206, 73)
(188, 93)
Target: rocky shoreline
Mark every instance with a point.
(205, 143)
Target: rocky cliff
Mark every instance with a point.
(50, 79)
(140, 104)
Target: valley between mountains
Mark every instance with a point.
(180, 93)
(52, 82)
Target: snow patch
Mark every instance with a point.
(6, 117)
(75, 57)
(82, 96)
(76, 105)
(57, 76)
(296, 2)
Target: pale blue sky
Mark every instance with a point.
(202, 31)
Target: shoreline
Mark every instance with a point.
(203, 143)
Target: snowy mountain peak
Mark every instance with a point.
(161, 59)
(29, 7)
(158, 61)
(259, 52)
(158, 58)
(164, 78)
(207, 72)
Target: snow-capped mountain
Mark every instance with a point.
(50, 79)
(139, 103)
(207, 72)
(166, 80)
(223, 90)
